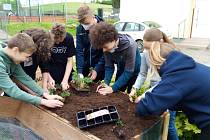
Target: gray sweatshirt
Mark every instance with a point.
(145, 66)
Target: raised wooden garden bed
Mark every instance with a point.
(61, 123)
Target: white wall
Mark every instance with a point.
(169, 13)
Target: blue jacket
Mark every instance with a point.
(128, 60)
(86, 56)
(184, 85)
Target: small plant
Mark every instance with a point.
(82, 83)
(139, 92)
(64, 95)
(120, 123)
(103, 84)
(58, 86)
(58, 91)
(52, 91)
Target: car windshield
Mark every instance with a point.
(152, 24)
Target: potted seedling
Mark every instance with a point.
(81, 84)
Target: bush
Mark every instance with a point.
(107, 2)
(186, 131)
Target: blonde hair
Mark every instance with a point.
(156, 35)
(158, 53)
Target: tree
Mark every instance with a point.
(116, 4)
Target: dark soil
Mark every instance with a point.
(82, 101)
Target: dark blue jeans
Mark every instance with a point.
(172, 134)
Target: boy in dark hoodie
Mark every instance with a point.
(118, 49)
(184, 85)
(86, 56)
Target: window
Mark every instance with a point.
(131, 26)
(119, 26)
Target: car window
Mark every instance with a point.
(152, 24)
(141, 27)
(119, 26)
(131, 26)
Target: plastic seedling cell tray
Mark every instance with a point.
(97, 116)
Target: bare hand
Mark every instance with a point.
(51, 103)
(138, 99)
(92, 75)
(64, 85)
(52, 97)
(105, 91)
(132, 94)
(50, 83)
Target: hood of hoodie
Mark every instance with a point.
(176, 61)
(125, 41)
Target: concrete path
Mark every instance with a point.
(198, 48)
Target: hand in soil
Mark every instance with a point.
(104, 91)
(92, 74)
(52, 97)
(64, 85)
(132, 95)
(51, 103)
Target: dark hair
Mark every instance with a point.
(59, 30)
(43, 40)
(22, 41)
(102, 33)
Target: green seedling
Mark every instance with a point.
(87, 80)
(65, 94)
(81, 82)
(103, 84)
(52, 91)
(120, 123)
(58, 86)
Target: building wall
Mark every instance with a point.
(169, 13)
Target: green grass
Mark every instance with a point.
(72, 7)
(13, 28)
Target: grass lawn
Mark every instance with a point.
(72, 7)
(13, 28)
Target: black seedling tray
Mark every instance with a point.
(82, 121)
